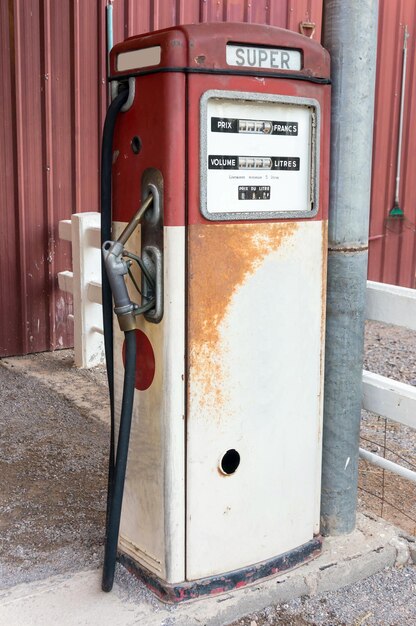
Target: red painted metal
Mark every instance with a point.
(161, 124)
(145, 361)
(209, 43)
(392, 256)
(198, 84)
(52, 106)
(28, 260)
(10, 285)
(134, 18)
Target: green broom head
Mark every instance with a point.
(396, 211)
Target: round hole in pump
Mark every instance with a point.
(230, 462)
(136, 144)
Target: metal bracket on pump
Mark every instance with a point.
(150, 261)
(152, 243)
(132, 92)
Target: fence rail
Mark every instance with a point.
(391, 304)
(383, 396)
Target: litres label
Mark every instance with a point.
(265, 58)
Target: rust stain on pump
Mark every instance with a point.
(221, 258)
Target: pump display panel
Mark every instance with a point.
(259, 156)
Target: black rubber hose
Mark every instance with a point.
(113, 527)
(106, 219)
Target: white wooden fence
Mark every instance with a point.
(386, 397)
(385, 303)
(84, 282)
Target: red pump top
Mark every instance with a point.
(233, 48)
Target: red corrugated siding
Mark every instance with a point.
(132, 17)
(52, 108)
(29, 275)
(392, 252)
(12, 312)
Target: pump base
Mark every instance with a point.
(179, 592)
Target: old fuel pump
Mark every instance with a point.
(220, 134)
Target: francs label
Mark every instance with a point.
(260, 127)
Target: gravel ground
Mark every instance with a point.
(385, 599)
(54, 466)
(390, 351)
(53, 473)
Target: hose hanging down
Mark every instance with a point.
(117, 487)
(106, 216)
(117, 464)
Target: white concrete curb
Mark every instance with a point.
(77, 599)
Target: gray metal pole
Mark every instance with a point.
(350, 35)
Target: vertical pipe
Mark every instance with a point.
(110, 40)
(109, 20)
(350, 35)
(400, 141)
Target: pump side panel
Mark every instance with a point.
(255, 385)
(152, 522)
(255, 349)
(152, 528)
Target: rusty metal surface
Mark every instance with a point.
(392, 253)
(238, 250)
(53, 105)
(246, 283)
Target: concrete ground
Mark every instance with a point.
(54, 426)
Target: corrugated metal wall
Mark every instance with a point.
(52, 107)
(134, 16)
(392, 256)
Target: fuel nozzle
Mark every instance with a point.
(117, 267)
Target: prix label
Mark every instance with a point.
(261, 127)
